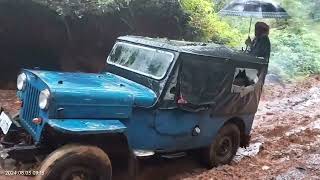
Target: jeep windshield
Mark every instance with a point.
(140, 59)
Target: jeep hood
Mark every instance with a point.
(87, 95)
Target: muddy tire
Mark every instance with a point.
(223, 148)
(76, 162)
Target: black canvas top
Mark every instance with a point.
(212, 76)
(197, 48)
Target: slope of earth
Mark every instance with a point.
(287, 128)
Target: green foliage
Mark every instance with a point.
(295, 42)
(78, 8)
(315, 11)
(206, 24)
(294, 55)
(219, 4)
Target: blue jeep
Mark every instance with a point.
(154, 97)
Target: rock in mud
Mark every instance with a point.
(250, 151)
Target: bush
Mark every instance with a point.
(294, 55)
(295, 42)
(206, 24)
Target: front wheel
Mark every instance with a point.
(76, 162)
(224, 147)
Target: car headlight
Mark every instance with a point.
(21, 81)
(44, 99)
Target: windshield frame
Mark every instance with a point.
(143, 47)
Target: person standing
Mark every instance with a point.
(260, 46)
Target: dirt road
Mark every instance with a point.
(286, 133)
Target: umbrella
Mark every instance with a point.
(254, 9)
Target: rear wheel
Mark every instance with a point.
(76, 162)
(224, 147)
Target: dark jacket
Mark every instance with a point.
(261, 47)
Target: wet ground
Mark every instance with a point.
(285, 140)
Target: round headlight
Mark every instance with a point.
(21, 81)
(44, 99)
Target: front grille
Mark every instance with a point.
(30, 107)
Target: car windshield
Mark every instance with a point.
(143, 60)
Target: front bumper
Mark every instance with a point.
(23, 153)
(17, 144)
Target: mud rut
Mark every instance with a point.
(285, 141)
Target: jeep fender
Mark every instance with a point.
(87, 126)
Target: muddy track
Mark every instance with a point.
(286, 135)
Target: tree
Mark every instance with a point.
(206, 24)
